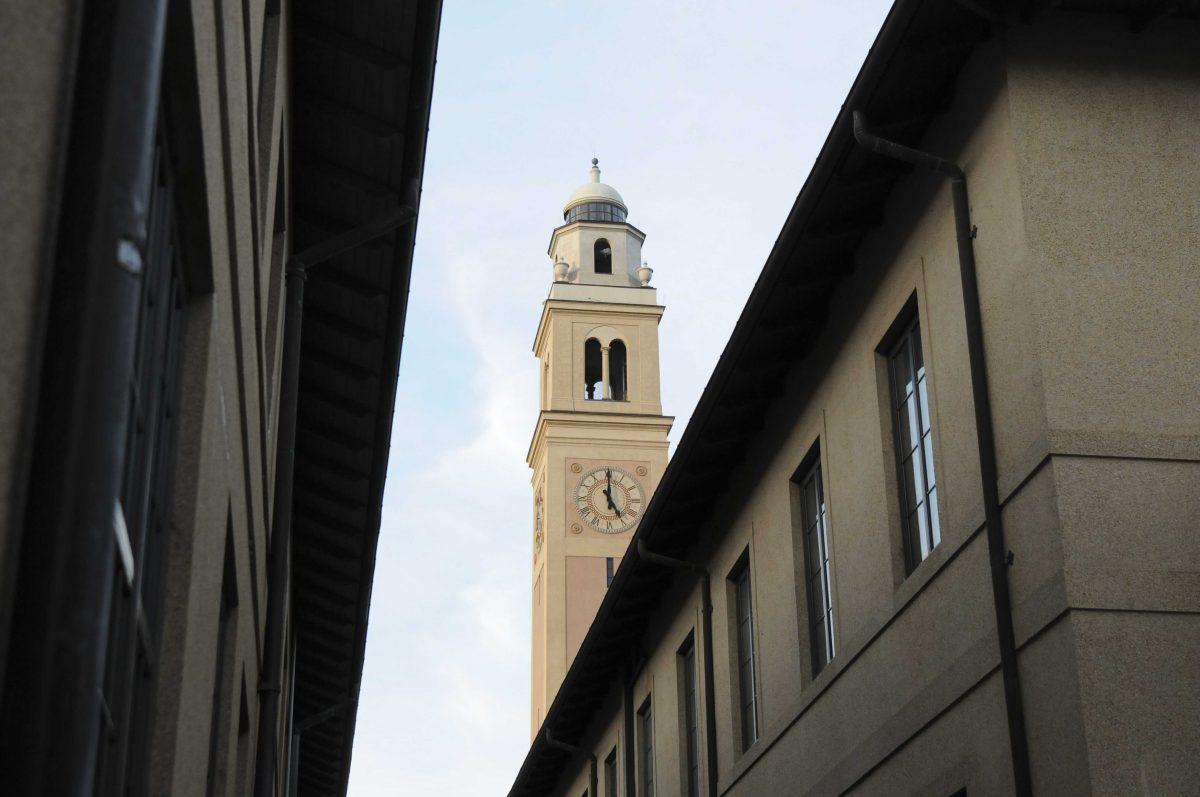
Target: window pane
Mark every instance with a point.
(924, 395)
(909, 427)
(935, 523)
(812, 551)
(908, 489)
(901, 374)
(818, 645)
(811, 501)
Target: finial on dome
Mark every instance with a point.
(595, 170)
(595, 161)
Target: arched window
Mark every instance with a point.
(603, 254)
(616, 370)
(592, 369)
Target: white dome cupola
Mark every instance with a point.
(595, 201)
(595, 244)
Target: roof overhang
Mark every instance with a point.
(362, 79)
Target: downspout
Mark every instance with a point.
(997, 551)
(52, 711)
(710, 697)
(278, 592)
(593, 778)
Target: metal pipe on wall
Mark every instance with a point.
(53, 708)
(985, 435)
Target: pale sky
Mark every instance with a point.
(707, 118)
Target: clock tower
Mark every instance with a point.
(600, 443)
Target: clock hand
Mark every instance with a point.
(611, 505)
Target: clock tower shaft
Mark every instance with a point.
(600, 443)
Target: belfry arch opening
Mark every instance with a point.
(603, 256)
(616, 370)
(593, 372)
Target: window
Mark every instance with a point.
(595, 211)
(616, 370)
(645, 728)
(744, 619)
(223, 675)
(135, 604)
(610, 774)
(608, 571)
(913, 439)
(690, 716)
(815, 532)
(603, 256)
(592, 369)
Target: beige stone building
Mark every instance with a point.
(600, 443)
(192, 445)
(934, 527)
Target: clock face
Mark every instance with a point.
(610, 499)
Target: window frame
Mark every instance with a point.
(612, 778)
(744, 649)
(645, 748)
(904, 341)
(810, 520)
(689, 715)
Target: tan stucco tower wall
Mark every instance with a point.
(608, 434)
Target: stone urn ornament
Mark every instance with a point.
(644, 273)
(560, 270)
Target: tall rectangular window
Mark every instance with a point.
(815, 524)
(646, 749)
(914, 446)
(690, 716)
(610, 774)
(744, 617)
(608, 571)
(141, 519)
(224, 678)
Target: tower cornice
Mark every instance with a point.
(573, 426)
(599, 225)
(613, 310)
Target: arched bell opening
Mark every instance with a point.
(603, 256)
(593, 370)
(617, 359)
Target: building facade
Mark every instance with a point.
(932, 527)
(192, 446)
(600, 443)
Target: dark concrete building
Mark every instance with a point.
(933, 526)
(209, 211)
